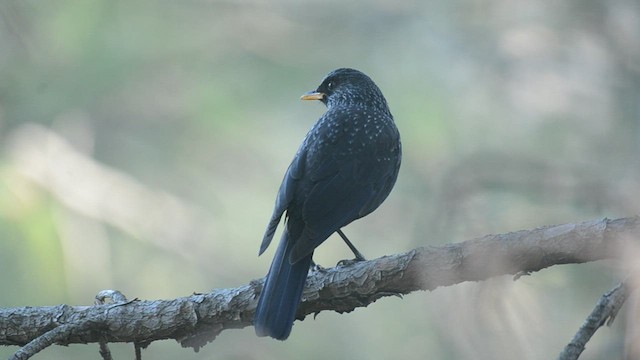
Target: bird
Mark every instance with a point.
(344, 169)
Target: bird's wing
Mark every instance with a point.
(344, 189)
(285, 195)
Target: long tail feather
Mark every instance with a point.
(281, 294)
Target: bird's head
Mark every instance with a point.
(348, 87)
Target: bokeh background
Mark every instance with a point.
(142, 144)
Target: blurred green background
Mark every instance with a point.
(142, 145)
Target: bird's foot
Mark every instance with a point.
(349, 262)
(316, 267)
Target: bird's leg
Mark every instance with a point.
(358, 254)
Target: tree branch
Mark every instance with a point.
(605, 311)
(197, 319)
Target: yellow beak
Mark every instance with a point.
(312, 95)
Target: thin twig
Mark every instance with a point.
(47, 339)
(138, 350)
(104, 350)
(605, 311)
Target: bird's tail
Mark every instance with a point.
(281, 293)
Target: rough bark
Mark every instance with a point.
(197, 319)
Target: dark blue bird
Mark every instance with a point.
(344, 169)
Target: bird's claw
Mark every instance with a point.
(318, 268)
(349, 262)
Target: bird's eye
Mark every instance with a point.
(330, 85)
